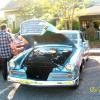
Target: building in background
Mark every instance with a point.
(11, 14)
(91, 18)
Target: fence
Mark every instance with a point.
(98, 35)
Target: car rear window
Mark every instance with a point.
(72, 37)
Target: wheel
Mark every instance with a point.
(82, 67)
(4, 76)
(87, 59)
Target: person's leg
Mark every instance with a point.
(4, 68)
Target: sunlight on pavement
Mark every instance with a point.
(13, 91)
(95, 66)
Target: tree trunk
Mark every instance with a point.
(69, 25)
(66, 25)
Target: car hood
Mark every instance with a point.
(35, 30)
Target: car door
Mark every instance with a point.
(85, 45)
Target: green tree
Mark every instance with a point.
(25, 8)
(35, 8)
(64, 11)
(68, 10)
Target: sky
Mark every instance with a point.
(3, 3)
(97, 0)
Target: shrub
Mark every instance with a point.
(76, 25)
(16, 30)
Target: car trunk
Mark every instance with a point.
(40, 64)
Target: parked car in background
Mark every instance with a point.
(53, 60)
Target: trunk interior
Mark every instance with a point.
(40, 66)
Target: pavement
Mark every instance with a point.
(94, 51)
(89, 88)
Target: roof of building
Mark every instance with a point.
(94, 10)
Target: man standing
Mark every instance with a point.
(5, 50)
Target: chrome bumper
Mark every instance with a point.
(42, 83)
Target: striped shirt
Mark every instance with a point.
(5, 40)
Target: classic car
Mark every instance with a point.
(78, 38)
(53, 60)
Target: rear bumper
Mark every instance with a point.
(42, 83)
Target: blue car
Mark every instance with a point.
(53, 59)
(78, 38)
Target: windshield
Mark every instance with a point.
(52, 38)
(72, 37)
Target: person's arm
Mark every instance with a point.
(23, 39)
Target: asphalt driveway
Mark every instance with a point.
(89, 88)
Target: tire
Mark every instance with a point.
(87, 59)
(4, 76)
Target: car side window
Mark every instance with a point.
(82, 37)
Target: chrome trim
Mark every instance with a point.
(42, 83)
